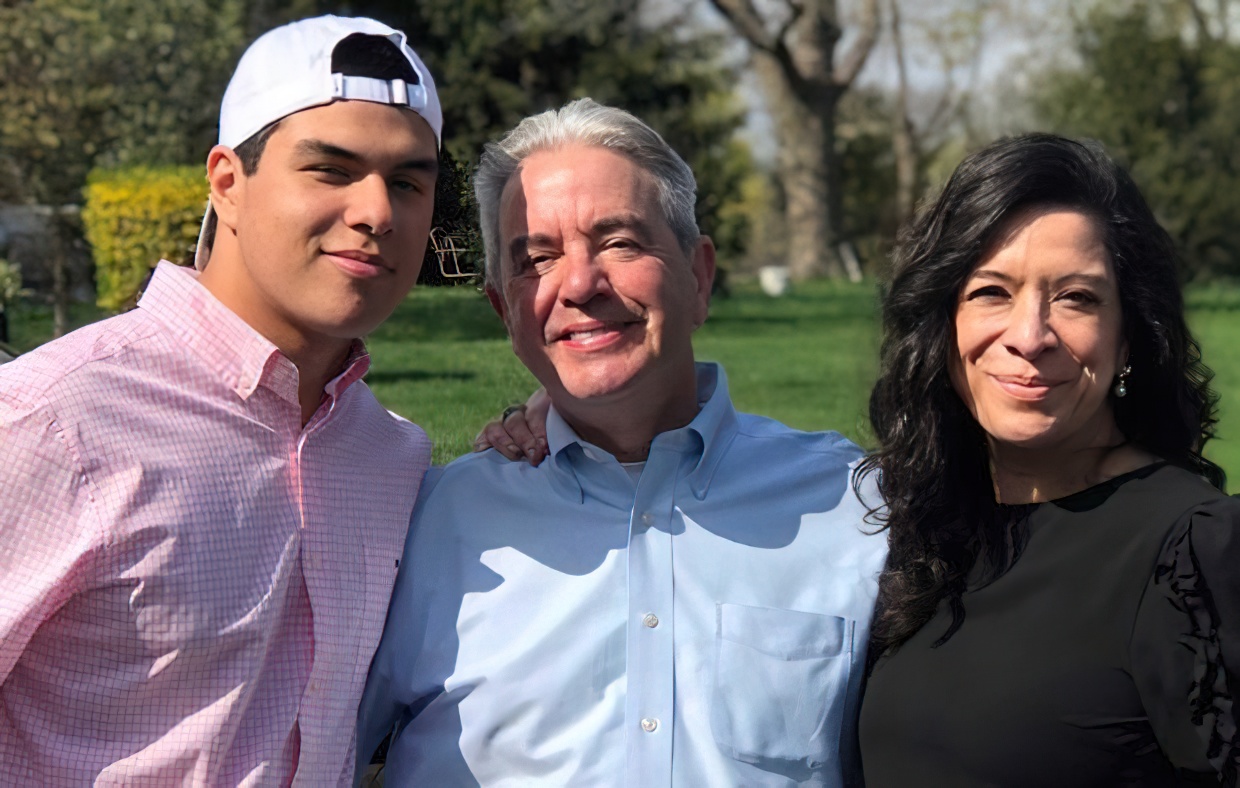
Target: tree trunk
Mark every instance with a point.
(807, 168)
(794, 51)
(60, 290)
(61, 229)
(903, 140)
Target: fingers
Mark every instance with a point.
(495, 436)
(519, 428)
(536, 415)
(515, 436)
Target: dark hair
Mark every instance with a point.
(932, 464)
(357, 55)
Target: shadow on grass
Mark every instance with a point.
(401, 375)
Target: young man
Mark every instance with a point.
(202, 507)
(680, 594)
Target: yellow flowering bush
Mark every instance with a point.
(133, 217)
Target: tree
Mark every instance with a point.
(1156, 85)
(501, 60)
(949, 39)
(794, 49)
(90, 82)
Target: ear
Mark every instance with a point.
(226, 179)
(704, 275)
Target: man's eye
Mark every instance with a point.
(329, 171)
(534, 263)
(621, 246)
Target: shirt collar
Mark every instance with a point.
(708, 436)
(243, 358)
(356, 364)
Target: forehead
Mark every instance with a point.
(574, 185)
(1049, 241)
(367, 126)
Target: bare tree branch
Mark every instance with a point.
(903, 139)
(796, 10)
(852, 61)
(746, 20)
(1200, 21)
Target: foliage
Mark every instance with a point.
(498, 61)
(10, 283)
(867, 165)
(1167, 104)
(107, 82)
(136, 216)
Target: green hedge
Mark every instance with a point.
(134, 217)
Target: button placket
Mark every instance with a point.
(649, 706)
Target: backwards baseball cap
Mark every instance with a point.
(290, 68)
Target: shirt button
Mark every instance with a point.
(647, 518)
(651, 620)
(650, 724)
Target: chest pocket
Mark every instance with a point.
(781, 681)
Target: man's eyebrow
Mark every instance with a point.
(312, 148)
(626, 221)
(518, 245)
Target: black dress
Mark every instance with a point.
(1100, 658)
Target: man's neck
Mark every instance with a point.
(626, 425)
(316, 365)
(318, 358)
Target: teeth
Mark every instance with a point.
(583, 336)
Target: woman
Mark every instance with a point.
(1061, 604)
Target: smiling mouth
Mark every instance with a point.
(586, 336)
(594, 336)
(1024, 388)
(357, 263)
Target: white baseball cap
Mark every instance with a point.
(289, 69)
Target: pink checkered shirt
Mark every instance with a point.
(191, 584)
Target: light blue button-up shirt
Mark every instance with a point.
(564, 625)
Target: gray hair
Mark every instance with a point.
(585, 122)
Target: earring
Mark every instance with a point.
(1121, 388)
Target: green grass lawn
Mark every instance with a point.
(806, 359)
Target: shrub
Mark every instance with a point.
(134, 217)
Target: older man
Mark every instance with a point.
(681, 594)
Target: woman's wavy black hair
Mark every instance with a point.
(932, 464)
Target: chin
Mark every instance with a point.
(1029, 439)
(584, 385)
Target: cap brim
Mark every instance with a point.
(202, 252)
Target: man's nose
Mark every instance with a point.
(370, 206)
(584, 276)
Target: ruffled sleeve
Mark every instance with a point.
(1185, 651)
